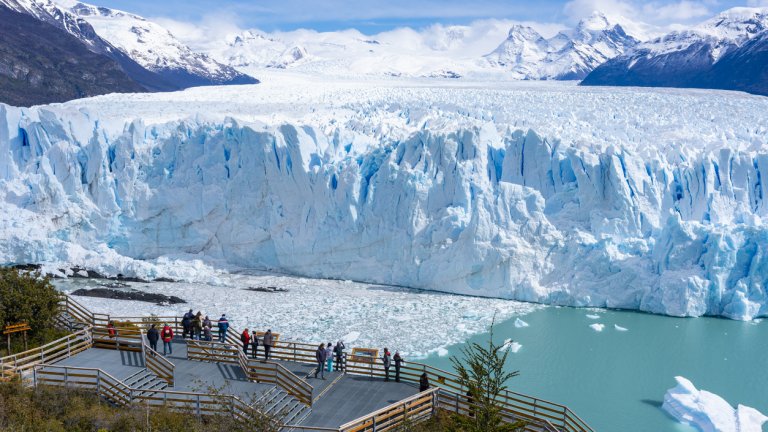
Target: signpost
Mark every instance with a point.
(10, 329)
(364, 355)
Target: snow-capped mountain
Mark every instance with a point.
(147, 53)
(569, 55)
(33, 52)
(154, 47)
(687, 58)
(625, 198)
(436, 51)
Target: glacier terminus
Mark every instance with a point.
(643, 199)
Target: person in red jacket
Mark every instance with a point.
(167, 336)
(245, 338)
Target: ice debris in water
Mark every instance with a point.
(620, 328)
(520, 323)
(592, 316)
(709, 412)
(597, 327)
(360, 314)
(350, 337)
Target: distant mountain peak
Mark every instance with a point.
(571, 54)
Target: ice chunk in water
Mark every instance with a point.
(520, 323)
(597, 327)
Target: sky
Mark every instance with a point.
(372, 17)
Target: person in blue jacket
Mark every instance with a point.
(223, 326)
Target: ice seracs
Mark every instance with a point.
(570, 196)
(709, 412)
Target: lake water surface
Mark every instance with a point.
(616, 380)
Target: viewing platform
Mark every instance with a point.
(213, 378)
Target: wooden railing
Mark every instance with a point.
(517, 406)
(159, 365)
(22, 363)
(117, 392)
(413, 409)
(255, 370)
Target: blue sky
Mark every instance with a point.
(375, 16)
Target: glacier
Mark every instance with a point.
(640, 199)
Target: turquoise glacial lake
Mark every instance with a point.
(616, 380)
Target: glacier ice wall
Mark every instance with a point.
(477, 210)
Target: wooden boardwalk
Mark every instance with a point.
(338, 399)
(212, 378)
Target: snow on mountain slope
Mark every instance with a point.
(434, 51)
(153, 47)
(568, 55)
(686, 58)
(649, 200)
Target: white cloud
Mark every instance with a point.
(682, 11)
(578, 9)
(658, 13)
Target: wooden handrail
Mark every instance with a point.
(113, 389)
(394, 410)
(226, 353)
(524, 405)
(159, 365)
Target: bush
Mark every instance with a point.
(57, 409)
(26, 296)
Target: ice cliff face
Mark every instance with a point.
(480, 198)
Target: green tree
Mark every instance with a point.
(26, 296)
(482, 372)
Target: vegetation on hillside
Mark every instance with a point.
(27, 297)
(56, 409)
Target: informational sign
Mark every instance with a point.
(16, 328)
(364, 355)
(10, 329)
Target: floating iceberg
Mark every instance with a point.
(568, 196)
(620, 328)
(520, 323)
(709, 412)
(593, 317)
(597, 327)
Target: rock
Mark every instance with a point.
(130, 294)
(268, 289)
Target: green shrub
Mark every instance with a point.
(27, 297)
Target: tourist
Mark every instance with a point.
(398, 362)
(339, 350)
(197, 325)
(254, 345)
(167, 336)
(245, 338)
(207, 332)
(186, 324)
(153, 336)
(423, 383)
(320, 356)
(387, 363)
(223, 327)
(329, 356)
(111, 331)
(267, 341)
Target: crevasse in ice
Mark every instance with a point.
(484, 206)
